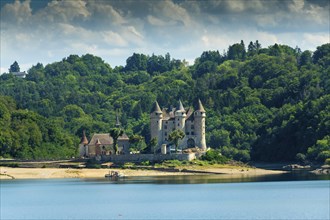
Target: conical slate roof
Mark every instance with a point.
(180, 107)
(117, 121)
(200, 106)
(156, 108)
(84, 139)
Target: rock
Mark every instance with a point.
(321, 171)
(295, 166)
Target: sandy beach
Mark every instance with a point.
(49, 173)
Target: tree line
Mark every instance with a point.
(265, 104)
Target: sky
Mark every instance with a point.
(47, 31)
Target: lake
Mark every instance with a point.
(284, 196)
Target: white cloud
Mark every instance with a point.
(169, 12)
(156, 21)
(311, 41)
(134, 31)
(105, 13)
(296, 5)
(114, 39)
(64, 11)
(16, 13)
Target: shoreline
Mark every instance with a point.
(56, 173)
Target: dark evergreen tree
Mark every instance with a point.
(14, 67)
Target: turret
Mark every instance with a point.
(83, 146)
(180, 117)
(156, 117)
(117, 121)
(199, 124)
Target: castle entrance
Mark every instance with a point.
(190, 143)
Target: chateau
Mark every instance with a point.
(192, 123)
(162, 123)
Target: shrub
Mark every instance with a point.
(242, 155)
(327, 161)
(145, 163)
(129, 165)
(215, 156)
(301, 158)
(172, 163)
(93, 164)
(322, 156)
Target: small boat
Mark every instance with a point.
(114, 174)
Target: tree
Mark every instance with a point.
(137, 142)
(251, 49)
(136, 62)
(321, 52)
(115, 133)
(153, 144)
(14, 67)
(275, 50)
(237, 51)
(175, 136)
(305, 58)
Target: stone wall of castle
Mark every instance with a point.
(137, 158)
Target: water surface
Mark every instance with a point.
(168, 198)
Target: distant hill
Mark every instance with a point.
(264, 104)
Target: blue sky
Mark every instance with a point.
(44, 31)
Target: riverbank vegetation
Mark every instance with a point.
(263, 104)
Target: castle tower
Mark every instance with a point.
(199, 124)
(180, 117)
(83, 146)
(156, 118)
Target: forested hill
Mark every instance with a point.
(264, 104)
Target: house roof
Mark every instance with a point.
(19, 74)
(190, 115)
(200, 106)
(156, 108)
(105, 139)
(180, 107)
(84, 139)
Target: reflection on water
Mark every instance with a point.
(221, 178)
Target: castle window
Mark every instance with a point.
(165, 133)
(166, 122)
(178, 124)
(192, 133)
(165, 126)
(192, 127)
(187, 133)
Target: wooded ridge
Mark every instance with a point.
(262, 104)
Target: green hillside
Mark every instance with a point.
(263, 104)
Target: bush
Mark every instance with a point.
(145, 163)
(322, 156)
(9, 164)
(327, 161)
(172, 163)
(129, 165)
(301, 158)
(215, 156)
(243, 156)
(93, 164)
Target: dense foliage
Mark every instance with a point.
(268, 104)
